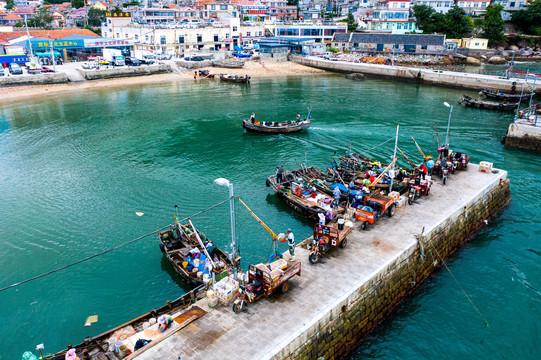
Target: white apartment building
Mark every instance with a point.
(438, 5)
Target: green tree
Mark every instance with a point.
(43, 19)
(95, 17)
(529, 20)
(10, 4)
(76, 4)
(423, 15)
(293, 2)
(457, 24)
(493, 25)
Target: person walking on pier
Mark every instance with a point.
(291, 244)
(430, 165)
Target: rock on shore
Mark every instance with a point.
(473, 61)
(355, 76)
(497, 60)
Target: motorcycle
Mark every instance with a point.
(413, 194)
(317, 249)
(247, 294)
(444, 174)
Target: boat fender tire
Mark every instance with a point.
(298, 192)
(162, 248)
(513, 88)
(267, 183)
(514, 83)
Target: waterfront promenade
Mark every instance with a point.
(292, 325)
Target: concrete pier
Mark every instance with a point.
(336, 302)
(124, 71)
(525, 134)
(418, 75)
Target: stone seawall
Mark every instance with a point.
(125, 71)
(38, 79)
(418, 75)
(524, 136)
(340, 328)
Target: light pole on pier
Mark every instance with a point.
(225, 182)
(448, 123)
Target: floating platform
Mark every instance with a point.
(336, 302)
(524, 134)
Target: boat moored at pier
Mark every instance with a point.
(487, 105)
(235, 79)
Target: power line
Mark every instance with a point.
(120, 245)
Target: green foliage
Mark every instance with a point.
(96, 30)
(117, 9)
(19, 24)
(293, 2)
(76, 4)
(10, 4)
(331, 49)
(454, 24)
(95, 17)
(528, 20)
(493, 25)
(43, 19)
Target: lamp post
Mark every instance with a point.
(448, 123)
(225, 182)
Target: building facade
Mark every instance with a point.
(397, 43)
(322, 33)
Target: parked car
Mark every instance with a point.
(147, 60)
(194, 58)
(15, 69)
(164, 57)
(2, 71)
(131, 61)
(103, 62)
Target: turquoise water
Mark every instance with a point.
(77, 167)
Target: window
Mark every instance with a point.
(109, 21)
(199, 38)
(126, 36)
(213, 7)
(354, 44)
(399, 26)
(227, 36)
(424, 47)
(117, 35)
(146, 37)
(136, 37)
(223, 7)
(181, 39)
(476, 44)
(234, 28)
(162, 40)
(216, 38)
(248, 33)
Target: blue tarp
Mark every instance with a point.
(201, 266)
(238, 48)
(239, 55)
(340, 186)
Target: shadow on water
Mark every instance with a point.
(177, 279)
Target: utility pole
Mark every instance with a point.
(394, 158)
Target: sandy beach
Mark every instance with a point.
(251, 68)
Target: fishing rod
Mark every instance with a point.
(437, 136)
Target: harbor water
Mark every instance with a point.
(76, 169)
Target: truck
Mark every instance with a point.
(114, 57)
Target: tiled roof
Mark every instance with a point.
(377, 38)
(341, 37)
(54, 34)
(13, 17)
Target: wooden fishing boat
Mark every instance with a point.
(491, 94)
(488, 105)
(187, 255)
(271, 127)
(97, 347)
(300, 195)
(235, 79)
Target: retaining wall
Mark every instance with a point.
(38, 79)
(341, 326)
(524, 136)
(125, 71)
(418, 75)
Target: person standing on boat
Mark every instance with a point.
(298, 116)
(321, 217)
(352, 185)
(336, 194)
(279, 174)
(291, 244)
(252, 118)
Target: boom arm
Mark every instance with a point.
(407, 159)
(418, 147)
(383, 173)
(274, 236)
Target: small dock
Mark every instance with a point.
(420, 75)
(332, 306)
(525, 134)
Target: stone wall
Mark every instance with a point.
(523, 136)
(125, 71)
(347, 321)
(38, 79)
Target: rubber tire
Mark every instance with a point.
(162, 248)
(285, 287)
(410, 200)
(444, 181)
(313, 258)
(344, 243)
(237, 307)
(364, 225)
(391, 210)
(427, 191)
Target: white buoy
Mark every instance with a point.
(139, 213)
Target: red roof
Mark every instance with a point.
(2, 41)
(54, 34)
(2, 13)
(13, 17)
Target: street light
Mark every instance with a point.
(448, 123)
(225, 182)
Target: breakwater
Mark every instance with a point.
(418, 75)
(335, 304)
(524, 135)
(125, 71)
(38, 79)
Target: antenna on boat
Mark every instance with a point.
(533, 90)
(522, 92)
(176, 216)
(308, 116)
(394, 157)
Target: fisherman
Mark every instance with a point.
(211, 248)
(329, 215)
(252, 118)
(401, 175)
(430, 165)
(166, 321)
(279, 173)
(298, 116)
(195, 75)
(321, 216)
(422, 170)
(291, 244)
(336, 194)
(352, 185)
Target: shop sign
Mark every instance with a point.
(122, 14)
(58, 44)
(102, 42)
(257, 11)
(228, 40)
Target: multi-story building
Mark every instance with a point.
(372, 42)
(441, 6)
(322, 33)
(474, 7)
(283, 13)
(391, 16)
(155, 15)
(253, 10)
(219, 10)
(509, 6)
